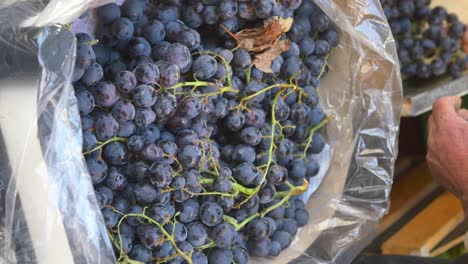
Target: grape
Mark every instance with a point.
(204, 67)
(301, 217)
(140, 253)
(145, 193)
(257, 229)
(210, 15)
(307, 46)
(291, 67)
(188, 211)
(147, 73)
(165, 14)
(190, 38)
(122, 28)
(115, 154)
(116, 181)
(211, 214)
(290, 226)
(241, 59)
(177, 123)
(199, 258)
(125, 81)
(150, 236)
(85, 101)
(251, 136)
(169, 73)
(159, 50)
(97, 169)
(189, 155)
(223, 235)
(260, 248)
(245, 173)
(160, 174)
(132, 9)
(106, 194)
(191, 17)
(138, 46)
(93, 74)
(105, 127)
(110, 217)
(87, 123)
(108, 13)
(123, 111)
(220, 256)
(105, 94)
(154, 32)
(164, 251)
(77, 74)
(152, 153)
(174, 30)
(179, 55)
(177, 183)
(263, 8)
(85, 56)
(113, 68)
(132, 220)
(144, 96)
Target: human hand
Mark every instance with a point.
(447, 154)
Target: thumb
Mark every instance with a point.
(446, 105)
(463, 113)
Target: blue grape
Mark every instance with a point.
(220, 256)
(260, 248)
(138, 46)
(179, 55)
(191, 17)
(93, 74)
(204, 67)
(85, 101)
(122, 28)
(210, 15)
(147, 73)
(125, 81)
(150, 236)
(223, 235)
(154, 32)
(85, 56)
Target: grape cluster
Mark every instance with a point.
(429, 40)
(197, 156)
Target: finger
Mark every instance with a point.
(463, 113)
(430, 124)
(446, 106)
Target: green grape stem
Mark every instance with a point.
(311, 134)
(286, 195)
(237, 187)
(274, 122)
(225, 63)
(165, 233)
(126, 259)
(196, 83)
(101, 145)
(324, 66)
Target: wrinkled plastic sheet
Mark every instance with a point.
(49, 206)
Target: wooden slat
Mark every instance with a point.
(441, 250)
(410, 189)
(427, 229)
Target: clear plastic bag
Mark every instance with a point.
(50, 214)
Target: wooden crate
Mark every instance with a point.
(427, 229)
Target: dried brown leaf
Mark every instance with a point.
(261, 38)
(263, 60)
